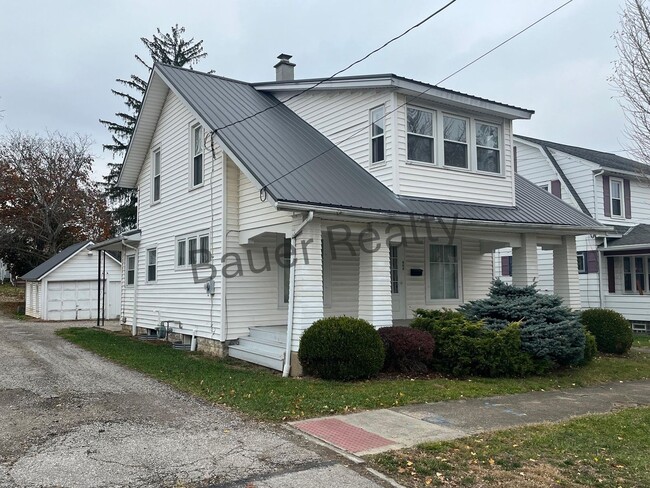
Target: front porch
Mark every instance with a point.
(626, 286)
(382, 272)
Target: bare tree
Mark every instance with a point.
(632, 75)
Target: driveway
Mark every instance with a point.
(69, 418)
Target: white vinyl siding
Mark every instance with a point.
(254, 213)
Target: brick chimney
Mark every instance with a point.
(284, 68)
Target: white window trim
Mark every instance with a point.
(373, 137)
(434, 135)
(186, 238)
(155, 249)
(584, 262)
(545, 187)
(611, 198)
(153, 175)
(126, 278)
(501, 147)
(646, 273)
(468, 133)
(193, 126)
(445, 302)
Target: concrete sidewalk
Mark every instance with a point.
(387, 429)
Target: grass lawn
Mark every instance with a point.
(600, 450)
(641, 340)
(265, 395)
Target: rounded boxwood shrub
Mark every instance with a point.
(407, 350)
(613, 332)
(341, 348)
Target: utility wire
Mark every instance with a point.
(365, 127)
(423, 21)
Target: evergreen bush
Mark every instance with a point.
(407, 350)
(550, 331)
(613, 332)
(341, 348)
(591, 349)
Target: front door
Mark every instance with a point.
(397, 281)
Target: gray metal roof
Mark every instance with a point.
(278, 142)
(636, 236)
(604, 159)
(42, 269)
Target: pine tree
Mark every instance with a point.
(169, 48)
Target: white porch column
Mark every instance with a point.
(375, 299)
(566, 282)
(524, 261)
(308, 282)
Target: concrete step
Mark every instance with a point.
(256, 355)
(257, 344)
(272, 333)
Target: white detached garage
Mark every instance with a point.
(65, 286)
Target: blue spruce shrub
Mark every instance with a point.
(549, 331)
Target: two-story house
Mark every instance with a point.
(614, 266)
(366, 196)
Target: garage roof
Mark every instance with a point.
(44, 268)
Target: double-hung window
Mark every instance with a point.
(443, 272)
(455, 137)
(582, 262)
(151, 265)
(197, 156)
(130, 269)
(377, 134)
(155, 181)
(488, 149)
(635, 273)
(420, 127)
(192, 249)
(616, 197)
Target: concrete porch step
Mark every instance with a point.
(270, 333)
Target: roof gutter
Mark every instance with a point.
(396, 216)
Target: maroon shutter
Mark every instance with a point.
(628, 199)
(592, 262)
(514, 152)
(611, 279)
(556, 188)
(608, 212)
(505, 266)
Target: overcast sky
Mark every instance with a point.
(60, 58)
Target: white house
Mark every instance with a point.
(614, 266)
(366, 196)
(4, 272)
(65, 286)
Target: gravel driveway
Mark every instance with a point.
(69, 418)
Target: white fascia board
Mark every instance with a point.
(88, 244)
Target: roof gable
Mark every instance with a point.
(43, 269)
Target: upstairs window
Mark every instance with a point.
(155, 183)
(197, 156)
(193, 249)
(455, 137)
(616, 197)
(420, 130)
(377, 134)
(488, 151)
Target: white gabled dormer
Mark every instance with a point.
(419, 140)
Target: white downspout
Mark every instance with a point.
(134, 325)
(292, 279)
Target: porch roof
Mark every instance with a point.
(637, 237)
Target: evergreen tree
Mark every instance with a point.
(169, 48)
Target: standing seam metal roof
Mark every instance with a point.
(278, 141)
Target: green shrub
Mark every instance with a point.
(590, 348)
(464, 347)
(341, 348)
(550, 332)
(613, 332)
(407, 350)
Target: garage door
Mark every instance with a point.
(71, 300)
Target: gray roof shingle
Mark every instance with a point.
(604, 159)
(274, 146)
(42, 269)
(637, 235)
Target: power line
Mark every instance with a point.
(365, 127)
(374, 51)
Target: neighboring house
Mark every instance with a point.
(614, 266)
(65, 286)
(393, 192)
(4, 272)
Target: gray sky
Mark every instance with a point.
(61, 57)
